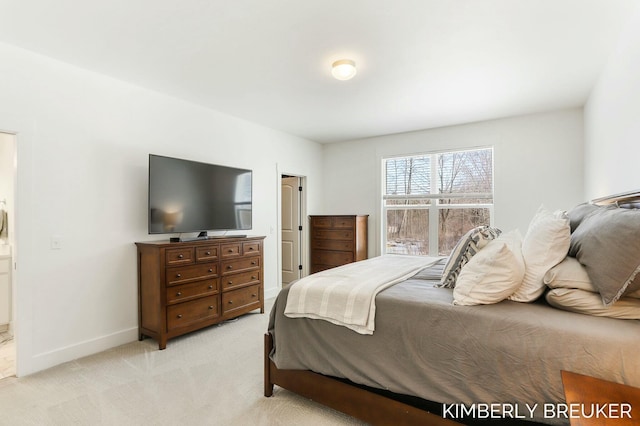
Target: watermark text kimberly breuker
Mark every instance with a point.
(608, 410)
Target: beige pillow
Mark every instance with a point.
(572, 274)
(493, 274)
(590, 303)
(545, 244)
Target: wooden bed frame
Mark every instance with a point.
(346, 397)
(370, 405)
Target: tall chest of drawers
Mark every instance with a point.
(183, 287)
(337, 240)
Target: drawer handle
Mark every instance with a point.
(178, 275)
(179, 293)
(253, 277)
(250, 248)
(253, 263)
(230, 283)
(230, 250)
(229, 267)
(210, 287)
(231, 302)
(253, 295)
(180, 256)
(208, 253)
(210, 270)
(210, 307)
(179, 316)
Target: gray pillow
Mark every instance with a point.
(580, 212)
(465, 249)
(607, 243)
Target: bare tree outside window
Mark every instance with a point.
(454, 187)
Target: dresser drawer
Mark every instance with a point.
(335, 258)
(241, 300)
(344, 245)
(333, 234)
(185, 274)
(241, 279)
(251, 248)
(184, 314)
(231, 250)
(240, 265)
(184, 292)
(179, 256)
(207, 254)
(343, 222)
(321, 222)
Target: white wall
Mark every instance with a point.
(537, 160)
(82, 144)
(612, 121)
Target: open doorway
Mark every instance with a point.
(291, 228)
(7, 244)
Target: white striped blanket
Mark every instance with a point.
(345, 295)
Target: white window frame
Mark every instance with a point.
(435, 206)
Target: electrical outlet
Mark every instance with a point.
(56, 242)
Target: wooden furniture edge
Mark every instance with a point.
(338, 395)
(583, 390)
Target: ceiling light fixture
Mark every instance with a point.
(344, 69)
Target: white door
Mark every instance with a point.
(291, 269)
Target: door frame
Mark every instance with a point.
(13, 241)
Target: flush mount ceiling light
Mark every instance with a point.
(344, 69)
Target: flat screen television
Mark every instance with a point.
(190, 196)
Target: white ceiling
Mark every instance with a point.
(421, 63)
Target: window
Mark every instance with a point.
(431, 200)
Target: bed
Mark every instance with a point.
(432, 361)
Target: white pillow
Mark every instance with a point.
(545, 244)
(590, 303)
(570, 274)
(493, 274)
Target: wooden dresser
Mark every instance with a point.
(337, 240)
(186, 286)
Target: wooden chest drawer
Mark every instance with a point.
(343, 222)
(321, 222)
(179, 256)
(207, 254)
(241, 279)
(334, 258)
(184, 292)
(187, 274)
(187, 313)
(240, 265)
(333, 234)
(241, 300)
(344, 245)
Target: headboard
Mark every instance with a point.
(629, 200)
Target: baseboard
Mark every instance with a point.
(58, 356)
(271, 293)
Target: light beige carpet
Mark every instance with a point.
(210, 377)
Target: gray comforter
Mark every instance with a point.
(508, 353)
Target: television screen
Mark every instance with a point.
(189, 196)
